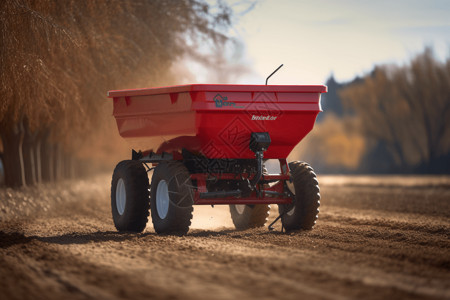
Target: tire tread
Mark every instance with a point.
(180, 214)
(307, 198)
(136, 183)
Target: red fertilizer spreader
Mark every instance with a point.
(207, 144)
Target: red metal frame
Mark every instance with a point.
(201, 178)
(252, 199)
(230, 176)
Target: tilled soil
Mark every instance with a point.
(372, 241)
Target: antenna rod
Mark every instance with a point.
(273, 73)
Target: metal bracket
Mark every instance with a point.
(151, 156)
(279, 217)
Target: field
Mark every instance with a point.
(376, 238)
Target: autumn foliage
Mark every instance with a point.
(58, 59)
(395, 119)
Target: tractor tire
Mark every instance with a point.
(249, 216)
(171, 198)
(130, 201)
(303, 212)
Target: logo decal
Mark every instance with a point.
(223, 101)
(264, 118)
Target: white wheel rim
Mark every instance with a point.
(291, 188)
(162, 199)
(291, 212)
(240, 208)
(121, 196)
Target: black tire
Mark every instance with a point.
(130, 210)
(171, 215)
(249, 216)
(303, 212)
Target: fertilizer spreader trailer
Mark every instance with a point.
(207, 145)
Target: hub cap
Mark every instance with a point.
(162, 199)
(240, 208)
(121, 196)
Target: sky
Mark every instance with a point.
(346, 38)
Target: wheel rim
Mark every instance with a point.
(291, 212)
(162, 199)
(121, 196)
(240, 208)
(291, 188)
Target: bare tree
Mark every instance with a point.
(407, 108)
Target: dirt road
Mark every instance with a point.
(381, 238)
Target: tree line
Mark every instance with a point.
(58, 59)
(396, 119)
